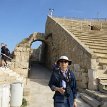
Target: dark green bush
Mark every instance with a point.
(24, 103)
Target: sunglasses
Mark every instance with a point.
(63, 61)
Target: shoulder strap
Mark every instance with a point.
(69, 76)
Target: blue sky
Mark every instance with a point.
(20, 18)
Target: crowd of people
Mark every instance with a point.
(5, 54)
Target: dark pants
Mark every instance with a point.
(62, 104)
(4, 58)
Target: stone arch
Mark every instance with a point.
(38, 55)
(22, 53)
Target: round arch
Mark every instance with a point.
(22, 53)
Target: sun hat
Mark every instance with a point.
(2, 44)
(64, 58)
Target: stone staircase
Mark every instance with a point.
(94, 98)
(94, 39)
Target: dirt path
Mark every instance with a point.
(41, 95)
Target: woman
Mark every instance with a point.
(63, 82)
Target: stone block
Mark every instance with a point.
(83, 85)
(94, 63)
(17, 53)
(24, 49)
(26, 91)
(76, 67)
(84, 80)
(18, 59)
(12, 79)
(24, 64)
(84, 74)
(26, 81)
(104, 104)
(92, 84)
(24, 72)
(28, 49)
(91, 101)
(0, 63)
(19, 49)
(2, 79)
(12, 65)
(1, 73)
(25, 58)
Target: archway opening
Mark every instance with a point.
(37, 54)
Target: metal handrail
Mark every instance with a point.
(6, 55)
(77, 18)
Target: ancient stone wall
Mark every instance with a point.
(22, 53)
(60, 42)
(21, 61)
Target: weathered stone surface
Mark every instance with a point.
(93, 102)
(73, 38)
(104, 104)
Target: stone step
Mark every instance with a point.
(89, 33)
(96, 95)
(102, 83)
(99, 50)
(99, 67)
(97, 46)
(104, 40)
(104, 80)
(86, 34)
(101, 73)
(91, 41)
(68, 25)
(71, 25)
(102, 61)
(101, 56)
(103, 37)
(102, 51)
(94, 42)
(91, 101)
(102, 86)
(78, 34)
(80, 23)
(81, 36)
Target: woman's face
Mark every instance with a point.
(63, 64)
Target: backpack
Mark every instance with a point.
(7, 52)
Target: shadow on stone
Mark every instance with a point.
(40, 74)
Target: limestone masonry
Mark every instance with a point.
(83, 41)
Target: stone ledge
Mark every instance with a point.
(97, 95)
(91, 101)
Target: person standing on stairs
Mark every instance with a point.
(63, 82)
(4, 54)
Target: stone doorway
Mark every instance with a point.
(22, 53)
(37, 55)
